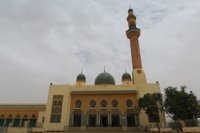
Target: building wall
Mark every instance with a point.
(22, 110)
(143, 89)
(41, 118)
(66, 91)
(58, 90)
(14, 113)
(85, 93)
(86, 98)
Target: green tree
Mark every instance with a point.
(181, 106)
(151, 104)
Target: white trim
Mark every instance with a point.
(103, 107)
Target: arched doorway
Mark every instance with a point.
(16, 121)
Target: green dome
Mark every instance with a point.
(126, 76)
(104, 78)
(81, 77)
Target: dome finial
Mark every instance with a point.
(104, 69)
(130, 10)
(125, 70)
(81, 71)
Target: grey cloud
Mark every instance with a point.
(51, 41)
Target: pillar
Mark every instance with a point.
(98, 119)
(109, 120)
(124, 121)
(83, 121)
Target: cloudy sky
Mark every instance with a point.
(52, 41)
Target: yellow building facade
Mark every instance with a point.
(82, 107)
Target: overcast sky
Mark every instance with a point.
(53, 40)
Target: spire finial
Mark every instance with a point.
(130, 10)
(126, 70)
(81, 71)
(104, 69)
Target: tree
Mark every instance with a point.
(151, 104)
(181, 106)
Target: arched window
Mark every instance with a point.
(78, 104)
(92, 104)
(10, 116)
(129, 103)
(33, 116)
(17, 116)
(114, 103)
(32, 121)
(25, 116)
(2, 116)
(56, 109)
(103, 103)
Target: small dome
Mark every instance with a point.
(126, 76)
(130, 10)
(104, 78)
(81, 77)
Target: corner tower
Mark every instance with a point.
(133, 34)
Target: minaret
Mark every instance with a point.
(133, 34)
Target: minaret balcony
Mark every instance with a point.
(133, 31)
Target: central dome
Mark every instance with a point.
(104, 78)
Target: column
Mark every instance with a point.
(4, 122)
(20, 123)
(120, 119)
(124, 121)
(87, 120)
(137, 122)
(98, 119)
(83, 121)
(27, 123)
(109, 120)
(71, 119)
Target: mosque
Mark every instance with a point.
(103, 106)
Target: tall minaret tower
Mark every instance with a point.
(133, 34)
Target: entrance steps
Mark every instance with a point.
(96, 129)
(98, 132)
(102, 130)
